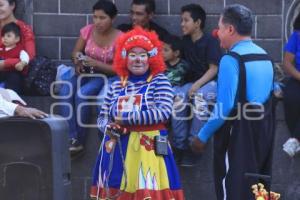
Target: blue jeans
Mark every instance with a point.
(189, 115)
(89, 86)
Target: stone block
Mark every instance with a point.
(47, 47)
(78, 188)
(264, 24)
(58, 25)
(124, 6)
(211, 23)
(211, 6)
(122, 19)
(24, 10)
(260, 7)
(90, 19)
(67, 46)
(77, 6)
(170, 23)
(49, 6)
(273, 48)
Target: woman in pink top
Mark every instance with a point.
(92, 57)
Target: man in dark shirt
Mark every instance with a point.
(141, 13)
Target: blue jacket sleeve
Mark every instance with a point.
(291, 45)
(227, 87)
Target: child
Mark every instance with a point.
(202, 53)
(176, 67)
(10, 36)
(176, 72)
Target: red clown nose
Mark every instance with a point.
(214, 33)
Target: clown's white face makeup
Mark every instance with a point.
(142, 56)
(137, 61)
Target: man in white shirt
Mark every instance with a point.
(8, 108)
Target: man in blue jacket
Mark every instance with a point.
(242, 121)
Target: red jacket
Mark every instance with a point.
(26, 43)
(12, 53)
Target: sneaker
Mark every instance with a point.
(75, 147)
(291, 146)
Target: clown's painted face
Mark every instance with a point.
(137, 61)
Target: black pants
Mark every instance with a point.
(12, 80)
(243, 146)
(292, 107)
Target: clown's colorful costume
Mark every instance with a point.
(131, 169)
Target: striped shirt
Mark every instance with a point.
(158, 99)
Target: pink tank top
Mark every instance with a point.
(104, 54)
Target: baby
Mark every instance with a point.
(10, 36)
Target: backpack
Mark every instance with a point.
(42, 72)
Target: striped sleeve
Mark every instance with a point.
(159, 111)
(103, 117)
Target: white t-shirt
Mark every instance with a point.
(6, 108)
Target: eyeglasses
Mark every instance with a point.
(140, 56)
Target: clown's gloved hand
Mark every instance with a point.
(261, 193)
(114, 130)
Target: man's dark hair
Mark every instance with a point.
(107, 6)
(149, 4)
(239, 17)
(174, 42)
(11, 27)
(296, 24)
(196, 12)
(11, 2)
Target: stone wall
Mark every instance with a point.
(56, 23)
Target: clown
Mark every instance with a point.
(137, 106)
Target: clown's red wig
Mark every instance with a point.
(138, 37)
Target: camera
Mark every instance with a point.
(161, 145)
(89, 70)
(81, 57)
